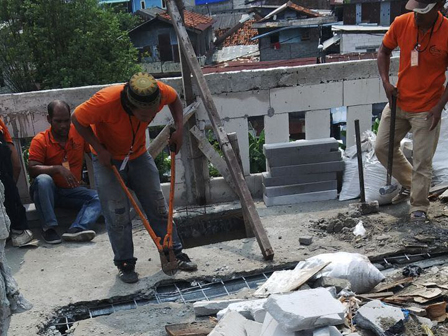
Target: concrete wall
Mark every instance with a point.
(355, 42)
(271, 93)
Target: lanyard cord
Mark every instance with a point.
(133, 133)
(417, 45)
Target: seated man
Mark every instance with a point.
(55, 161)
(9, 174)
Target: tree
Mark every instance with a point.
(60, 43)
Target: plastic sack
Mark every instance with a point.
(353, 267)
(439, 161)
(376, 177)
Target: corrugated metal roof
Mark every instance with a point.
(359, 28)
(226, 20)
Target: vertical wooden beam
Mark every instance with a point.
(198, 175)
(237, 175)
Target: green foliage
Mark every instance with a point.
(376, 125)
(163, 163)
(256, 155)
(57, 43)
(212, 171)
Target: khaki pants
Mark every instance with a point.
(416, 177)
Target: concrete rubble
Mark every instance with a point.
(235, 324)
(251, 309)
(207, 308)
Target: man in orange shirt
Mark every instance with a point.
(114, 122)
(9, 174)
(422, 37)
(55, 161)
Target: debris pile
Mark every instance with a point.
(301, 171)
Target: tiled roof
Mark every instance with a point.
(304, 10)
(192, 20)
(241, 37)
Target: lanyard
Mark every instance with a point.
(134, 134)
(417, 45)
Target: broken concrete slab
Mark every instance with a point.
(338, 283)
(207, 308)
(250, 309)
(272, 328)
(301, 198)
(292, 160)
(235, 324)
(306, 240)
(378, 317)
(317, 308)
(300, 188)
(310, 168)
(327, 331)
(270, 181)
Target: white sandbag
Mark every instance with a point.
(375, 178)
(440, 159)
(353, 267)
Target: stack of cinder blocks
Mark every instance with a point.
(301, 171)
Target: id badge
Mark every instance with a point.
(66, 165)
(124, 163)
(414, 58)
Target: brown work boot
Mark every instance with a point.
(403, 196)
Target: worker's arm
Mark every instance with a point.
(36, 168)
(177, 112)
(383, 62)
(16, 167)
(104, 156)
(436, 112)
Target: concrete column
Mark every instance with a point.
(240, 127)
(276, 128)
(317, 124)
(364, 114)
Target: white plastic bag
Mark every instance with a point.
(440, 159)
(359, 230)
(375, 178)
(353, 267)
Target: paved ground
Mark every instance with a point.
(56, 276)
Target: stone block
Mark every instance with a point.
(317, 124)
(269, 181)
(317, 308)
(306, 240)
(300, 147)
(311, 168)
(272, 328)
(207, 308)
(362, 91)
(236, 325)
(364, 114)
(293, 160)
(301, 198)
(275, 127)
(327, 331)
(250, 309)
(300, 188)
(378, 317)
(339, 284)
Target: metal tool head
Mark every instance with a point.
(169, 262)
(388, 189)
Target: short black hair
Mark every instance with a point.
(56, 103)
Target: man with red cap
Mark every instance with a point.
(114, 122)
(422, 37)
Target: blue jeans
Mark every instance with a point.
(142, 176)
(47, 196)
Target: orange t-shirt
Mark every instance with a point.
(4, 130)
(46, 150)
(112, 125)
(420, 87)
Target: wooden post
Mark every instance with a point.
(198, 175)
(237, 175)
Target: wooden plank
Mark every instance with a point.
(90, 171)
(376, 295)
(213, 156)
(237, 175)
(161, 141)
(190, 329)
(384, 287)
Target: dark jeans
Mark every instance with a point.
(14, 207)
(142, 176)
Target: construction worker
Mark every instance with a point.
(56, 159)
(114, 122)
(422, 37)
(9, 175)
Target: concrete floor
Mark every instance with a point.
(54, 276)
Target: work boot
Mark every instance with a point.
(185, 264)
(127, 273)
(77, 234)
(51, 236)
(418, 217)
(20, 238)
(403, 196)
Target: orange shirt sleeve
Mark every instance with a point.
(5, 131)
(390, 39)
(37, 149)
(95, 110)
(169, 95)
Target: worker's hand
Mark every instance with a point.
(435, 114)
(105, 158)
(72, 181)
(390, 91)
(176, 139)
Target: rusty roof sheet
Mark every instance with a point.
(241, 37)
(192, 20)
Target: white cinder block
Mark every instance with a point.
(361, 91)
(364, 114)
(249, 104)
(276, 128)
(317, 124)
(250, 309)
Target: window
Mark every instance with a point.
(143, 4)
(275, 41)
(305, 36)
(165, 50)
